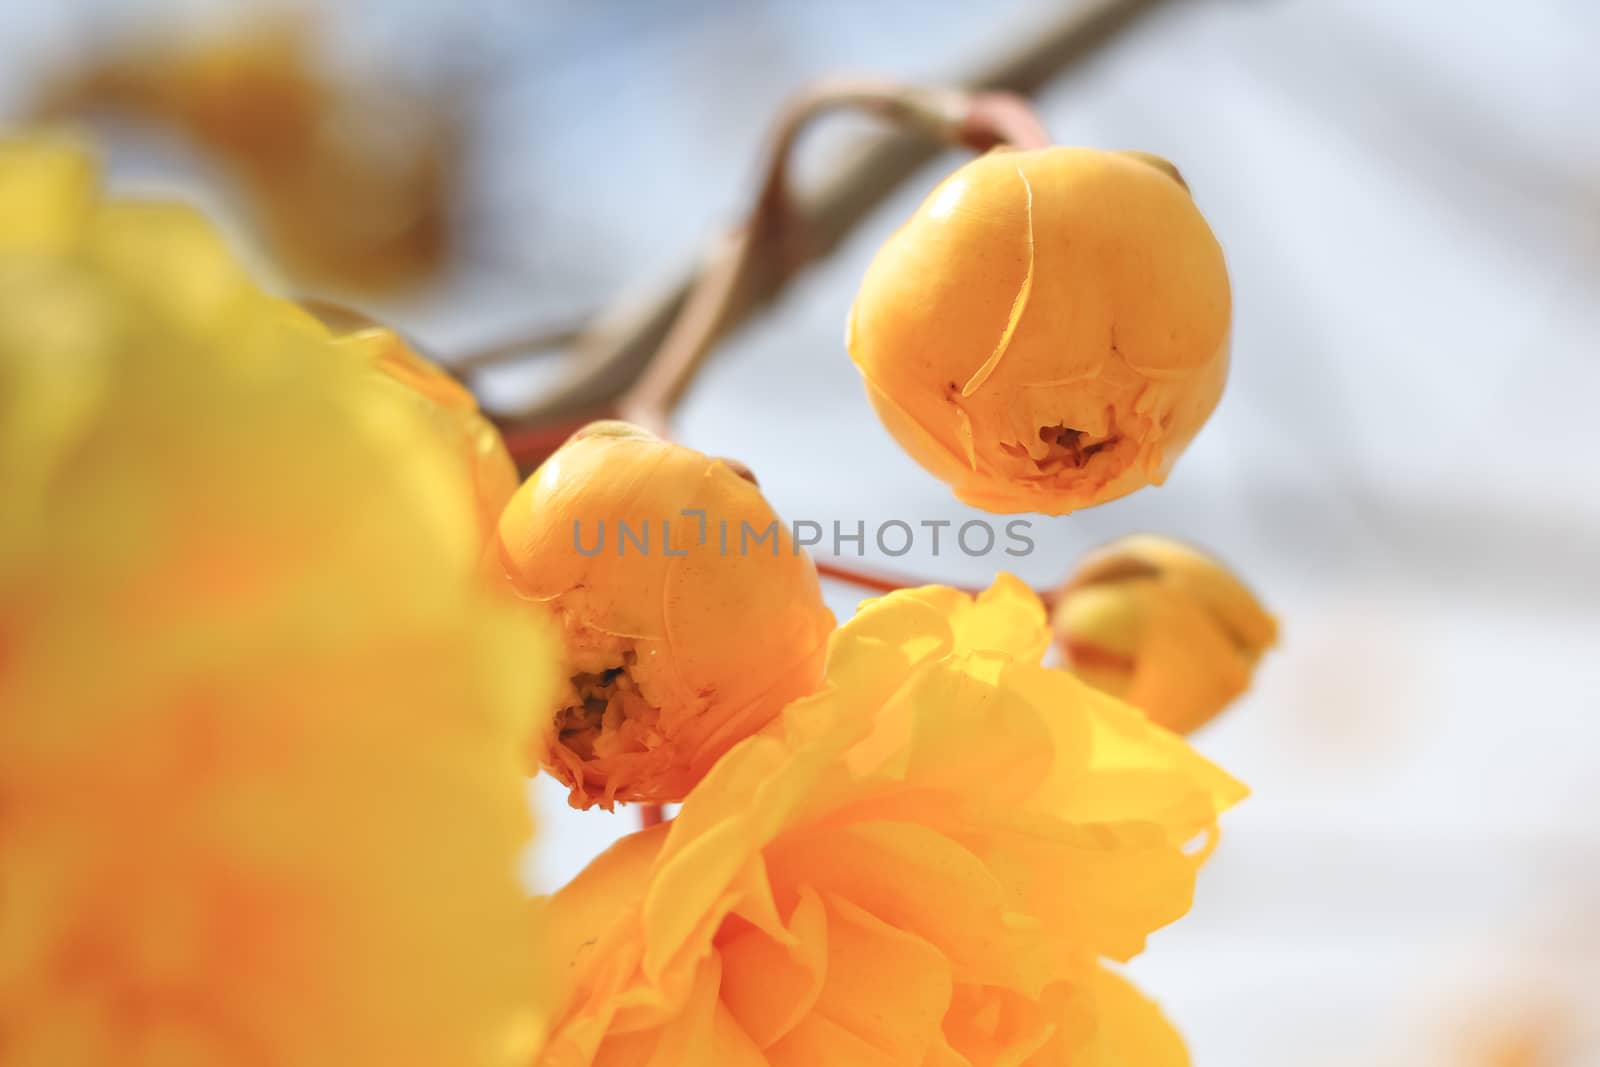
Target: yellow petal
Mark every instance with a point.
(1129, 1029)
(1007, 618)
(769, 986)
(819, 1040)
(1136, 770)
(47, 189)
(955, 727)
(916, 879)
(1098, 888)
(993, 1027)
(600, 896)
(884, 985)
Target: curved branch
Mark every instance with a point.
(613, 352)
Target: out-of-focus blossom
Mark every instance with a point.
(1164, 627)
(689, 617)
(1526, 1030)
(924, 863)
(350, 181)
(449, 408)
(1049, 330)
(260, 717)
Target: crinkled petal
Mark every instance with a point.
(920, 881)
(1136, 770)
(769, 984)
(887, 986)
(1128, 1029)
(1005, 619)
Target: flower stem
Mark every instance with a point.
(863, 579)
(879, 582)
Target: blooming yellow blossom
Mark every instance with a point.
(689, 616)
(1164, 627)
(260, 783)
(1049, 330)
(924, 863)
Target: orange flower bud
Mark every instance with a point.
(1049, 331)
(689, 617)
(1166, 628)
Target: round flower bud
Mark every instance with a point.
(689, 617)
(1164, 627)
(1050, 329)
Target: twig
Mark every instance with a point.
(774, 240)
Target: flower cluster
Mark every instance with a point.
(259, 715)
(934, 852)
(925, 862)
(281, 637)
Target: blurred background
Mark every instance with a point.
(1403, 464)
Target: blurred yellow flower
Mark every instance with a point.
(923, 863)
(260, 785)
(351, 177)
(448, 409)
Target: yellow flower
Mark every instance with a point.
(1164, 627)
(689, 616)
(1049, 330)
(260, 786)
(924, 863)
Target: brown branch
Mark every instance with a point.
(775, 238)
(614, 351)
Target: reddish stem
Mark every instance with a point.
(651, 815)
(879, 582)
(1002, 119)
(1081, 654)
